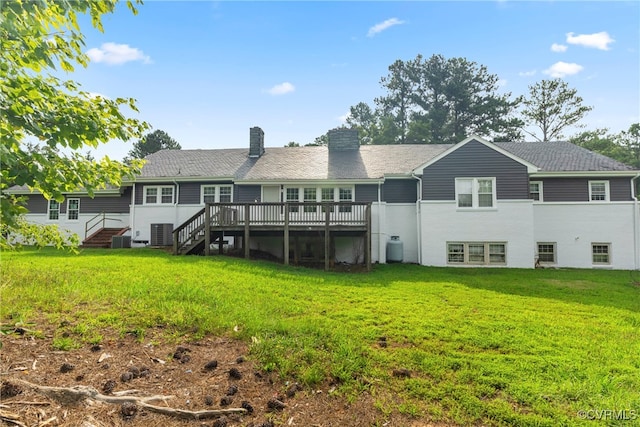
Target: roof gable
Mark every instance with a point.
(474, 138)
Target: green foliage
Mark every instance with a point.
(437, 101)
(552, 106)
(623, 147)
(36, 39)
(152, 142)
(490, 347)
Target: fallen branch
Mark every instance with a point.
(75, 394)
(11, 418)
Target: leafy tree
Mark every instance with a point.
(602, 142)
(322, 140)
(152, 142)
(368, 123)
(437, 101)
(630, 139)
(36, 39)
(398, 103)
(552, 107)
(292, 144)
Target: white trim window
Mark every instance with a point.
(73, 209)
(599, 191)
(477, 253)
(53, 210)
(210, 193)
(601, 253)
(345, 194)
(292, 195)
(547, 252)
(535, 191)
(158, 194)
(476, 193)
(317, 194)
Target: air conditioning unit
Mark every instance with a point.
(120, 242)
(161, 234)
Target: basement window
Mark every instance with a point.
(476, 253)
(546, 253)
(601, 253)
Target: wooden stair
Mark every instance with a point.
(102, 237)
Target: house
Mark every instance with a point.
(475, 203)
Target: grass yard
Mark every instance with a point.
(481, 346)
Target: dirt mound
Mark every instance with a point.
(195, 379)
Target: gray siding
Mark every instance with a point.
(189, 193)
(577, 189)
(247, 193)
(108, 204)
(475, 160)
(366, 193)
(400, 191)
(36, 203)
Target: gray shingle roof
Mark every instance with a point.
(291, 163)
(561, 156)
(369, 162)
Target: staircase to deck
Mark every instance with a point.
(102, 237)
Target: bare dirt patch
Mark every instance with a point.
(200, 376)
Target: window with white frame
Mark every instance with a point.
(345, 194)
(535, 190)
(547, 252)
(293, 196)
(73, 209)
(475, 192)
(318, 195)
(599, 191)
(216, 193)
(601, 253)
(477, 253)
(309, 194)
(53, 210)
(327, 196)
(158, 194)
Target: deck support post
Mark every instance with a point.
(207, 229)
(245, 239)
(286, 234)
(327, 240)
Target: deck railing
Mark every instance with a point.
(285, 215)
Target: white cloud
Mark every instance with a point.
(527, 73)
(562, 69)
(599, 40)
(558, 47)
(378, 28)
(281, 89)
(117, 54)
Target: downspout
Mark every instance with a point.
(418, 219)
(636, 223)
(132, 213)
(175, 221)
(380, 242)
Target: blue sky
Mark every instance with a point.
(205, 72)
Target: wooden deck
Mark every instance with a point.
(282, 219)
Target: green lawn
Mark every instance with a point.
(483, 346)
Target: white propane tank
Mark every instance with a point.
(395, 249)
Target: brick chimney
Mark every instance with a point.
(256, 142)
(343, 139)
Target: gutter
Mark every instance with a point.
(418, 216)
(636, 223)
